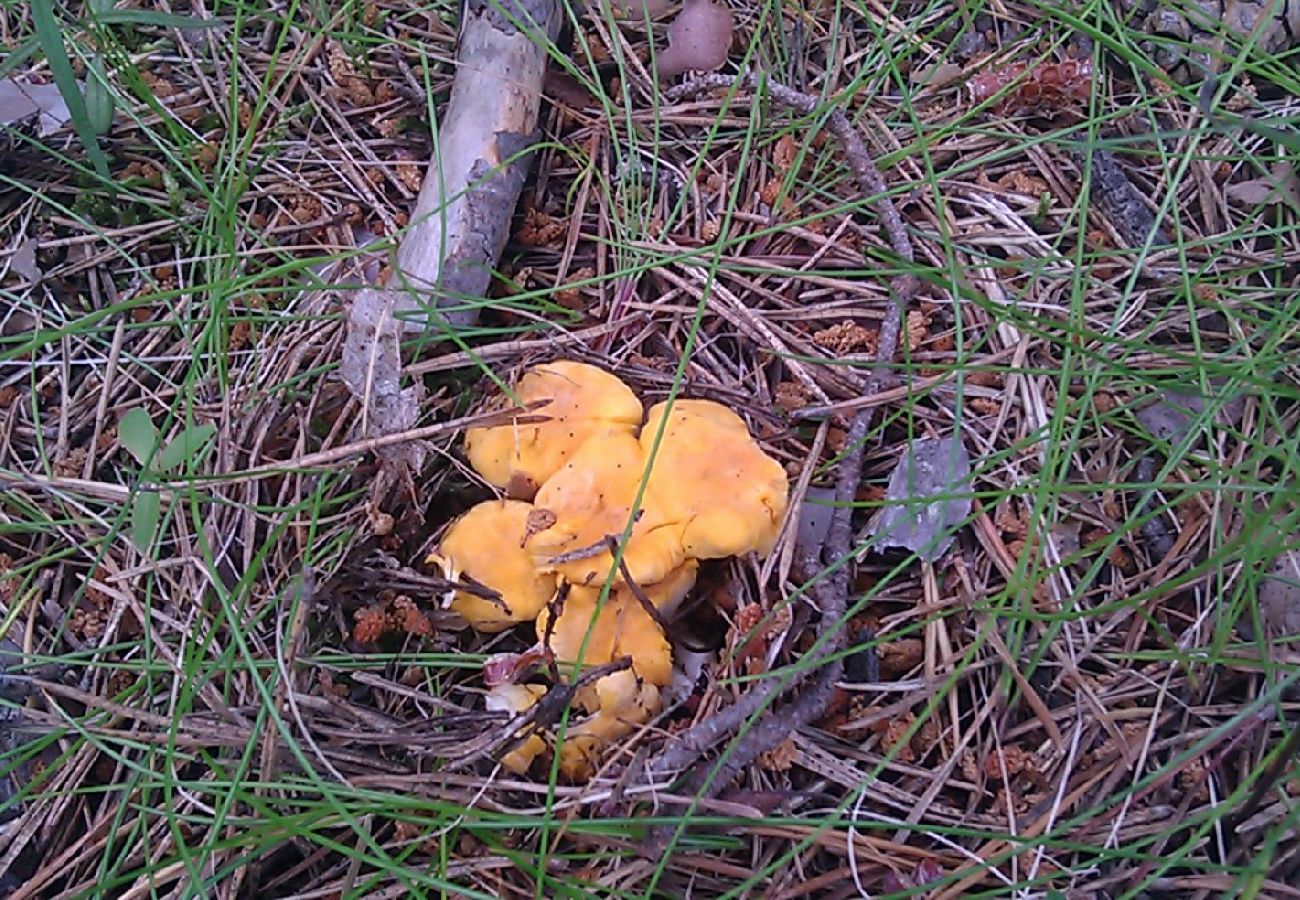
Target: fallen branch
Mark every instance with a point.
(707, 779)
(461, 218)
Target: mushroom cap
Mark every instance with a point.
(486, 544)
(711, 478)
(623, 702)
(518, 698)
(591, 498)
(668, 594)
(583, 402)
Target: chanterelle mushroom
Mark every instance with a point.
(619, 627)
(623, 702)
(712, 493)
(712, 479)
(583, 402)
(486, 544)
(518, 698)
(590, 500)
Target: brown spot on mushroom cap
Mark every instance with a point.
(487, 545)
(711, 478)
(582, 402)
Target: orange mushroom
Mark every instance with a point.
(486, 544)
(581, 402)
(623, 701)
(591, 499)
(712, 493)
(518, 698)
(725, 495)
(620, 626)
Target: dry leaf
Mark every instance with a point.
(23, 261)
(1279, 596)
(20, 101)
(928, 497)
(698, 38)
(938, 75)
(564, 90)
(1173, 416)
(1280, 186)
(511, 668)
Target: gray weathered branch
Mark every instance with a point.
(461, 220)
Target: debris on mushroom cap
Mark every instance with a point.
(623, 702)
(486, 544)
(592, 498)
(584, 402)
(518, 698)
(712, 478)
(620, 626)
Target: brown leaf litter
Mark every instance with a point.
(1059, 609)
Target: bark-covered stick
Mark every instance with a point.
(461, 219)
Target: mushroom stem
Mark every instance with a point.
(637, 591)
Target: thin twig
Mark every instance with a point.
(830, 593)
(545, 712)
(556, 610)
(651, 610)
(366, 445)
(594, 549)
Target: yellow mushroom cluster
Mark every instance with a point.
(579, 459)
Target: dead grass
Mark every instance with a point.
(1053, 707)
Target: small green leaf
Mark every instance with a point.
(146, 510)
(99, 99)
(138, 435)
(187, 444)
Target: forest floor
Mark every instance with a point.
(226, 670)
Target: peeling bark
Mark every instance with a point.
(461, 219)
(1122, 203)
